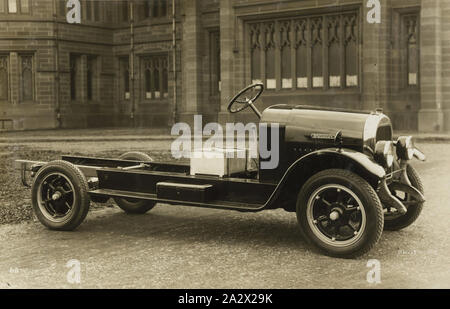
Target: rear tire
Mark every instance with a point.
(135, 206)
(59, 196)
(340, 213)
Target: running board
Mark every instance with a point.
(153, 197)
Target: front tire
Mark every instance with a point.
(60, 196)
(340, 213)
(394, 222)
(130, 205)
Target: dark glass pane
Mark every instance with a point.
(90, 78)
(148, 80)
(351, 50)
(146, 9)
(351, 63)
(88, 10)
(412, 61)
(25, 6)
(334, 65)
(155, 12)
(97, 10)
(286, 69)
(302, 67)
(270, 67)
(89, 85)
(27, 85)
(125, 77)
(156, 83)
(108, 11)
(256, 65)
(125, 14)
(317, 66)
(165, 82)
(163, 8)
(62, 7)
(73, 78)
(3, 78)
(215, 62)
(27, 78)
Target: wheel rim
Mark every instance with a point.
(56, 198)
(336, 215)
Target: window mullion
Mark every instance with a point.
(293, 56)
(342, 51)
(309, 55)
(277, 41)
(325, 54)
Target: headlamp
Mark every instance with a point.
(384, 153)
(405, 148)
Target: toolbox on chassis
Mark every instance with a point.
(340, 171)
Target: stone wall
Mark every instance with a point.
(382, 78)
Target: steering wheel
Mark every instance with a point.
(241, 101)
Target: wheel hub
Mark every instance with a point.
(56, 196)
(334, 215)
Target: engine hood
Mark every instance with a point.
(305, 124)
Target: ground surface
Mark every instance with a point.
(183, 247)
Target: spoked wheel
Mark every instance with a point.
(336, 214)
(60, 196)
(340, 213)
(130, 205)
(392, 219)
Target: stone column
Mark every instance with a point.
(375, 52)
(431, 117)
(14, 83)
(82, 80)
(191, 61)
(445, 29)
(227, 37)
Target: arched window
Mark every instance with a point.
(412, 48)
(26, 78)
(155, 77)
(319, 52)
(125, 77)
(155, 8)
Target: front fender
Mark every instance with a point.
(302, 169)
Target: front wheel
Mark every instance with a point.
(340, 213)
(393, 221)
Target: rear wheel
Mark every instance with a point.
(60, 196)
(340, 213)
(130, 205)
(393, 221)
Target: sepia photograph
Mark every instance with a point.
(240, 146)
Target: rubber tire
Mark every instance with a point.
(414, 211)
(81, 187)
(368, 197)
(134, 206)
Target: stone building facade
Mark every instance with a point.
(133, 63)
